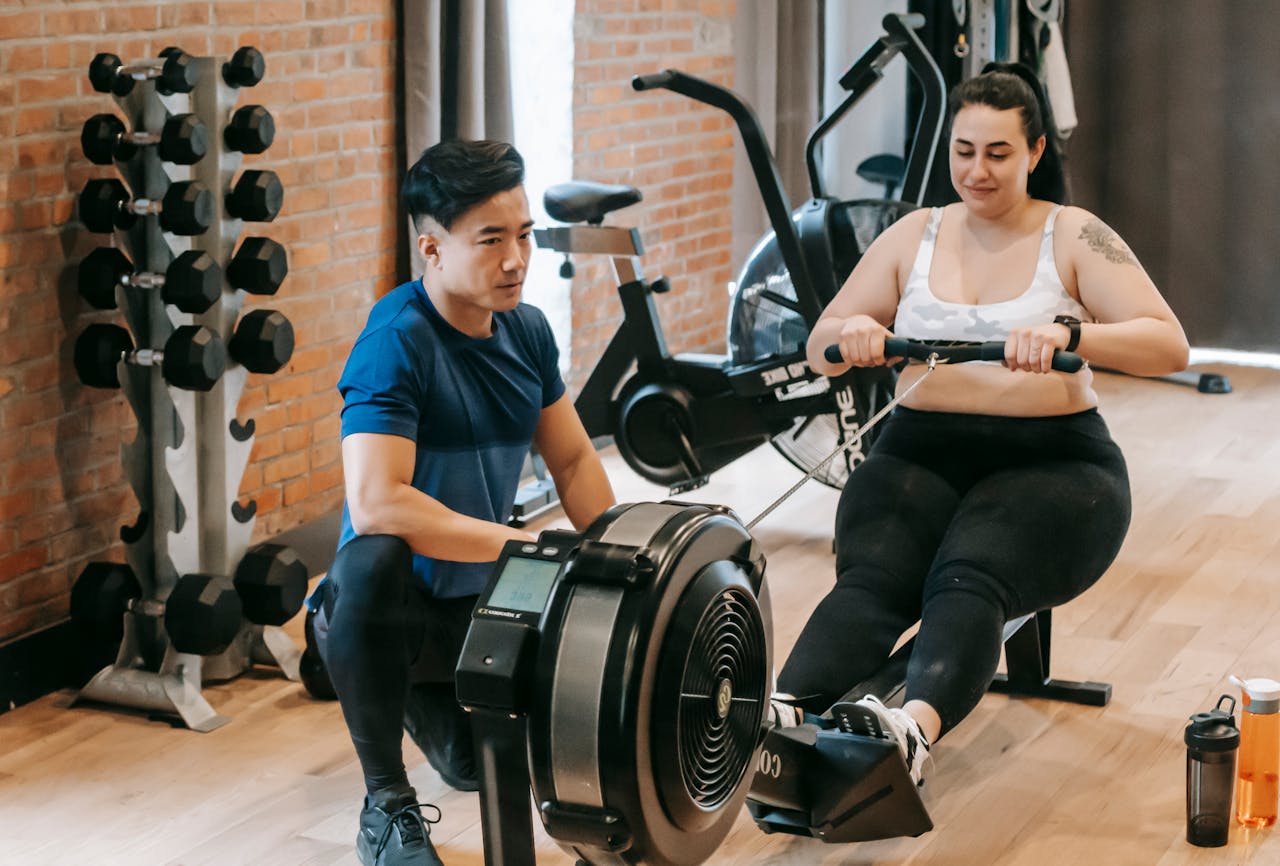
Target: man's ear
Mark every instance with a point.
(429, 248)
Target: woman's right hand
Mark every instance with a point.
(861, 340)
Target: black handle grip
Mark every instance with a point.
(911, 20)
(654, 80)
(898, 347)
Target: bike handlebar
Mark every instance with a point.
(898, 347)
(653, 80)
(912, 20)
(763, 167)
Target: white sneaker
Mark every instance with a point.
(783, 713)
(900, 724)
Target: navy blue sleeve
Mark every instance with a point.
(548, 362)
(383, 385)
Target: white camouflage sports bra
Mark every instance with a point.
(924, 316)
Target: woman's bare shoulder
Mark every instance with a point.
(1085, 232)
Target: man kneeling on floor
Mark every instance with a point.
(450, 381)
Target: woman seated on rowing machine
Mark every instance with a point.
(994, 489)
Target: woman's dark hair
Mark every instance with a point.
(1003, 86)
(453, 176)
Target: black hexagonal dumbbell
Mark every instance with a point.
(257, 197)
(175, 73)
(251, 130)
(272, 582)
(183, 140)
(245, 68)
(311, 669)
(258, 267)
(193, 358)
(186, 209)
(263, 341)
(192, 282)
(202, 613)
(99, 598)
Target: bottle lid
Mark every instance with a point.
(1215, 730)
(1259, 688)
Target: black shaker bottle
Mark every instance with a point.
(1212, 739)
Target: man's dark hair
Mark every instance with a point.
(1003, 86)
(454, 176)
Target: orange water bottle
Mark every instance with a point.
(1258, 770)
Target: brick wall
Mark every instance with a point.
(679, 153)
(329, 85)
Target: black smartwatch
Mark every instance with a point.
(1073, 325)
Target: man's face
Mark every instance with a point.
(480, 262)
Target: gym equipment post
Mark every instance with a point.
(678, 418)
(194, 602)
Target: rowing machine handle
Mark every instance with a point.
(898, 347)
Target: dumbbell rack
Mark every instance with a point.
(186, 463)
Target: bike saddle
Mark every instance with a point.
(586, 201)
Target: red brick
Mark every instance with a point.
(45, 88)
(266, 446)
(22, 561)
(59, 55)
(281, 12)
(127, 19)
(296, 491)
(85, 21)
(283, 467)
(297, 439)
(42, 586)
(240, 14)
(21, 25)
(23, 58)
(321, 9)
(327, 478)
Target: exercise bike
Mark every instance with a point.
(676, 419)
(622, 674)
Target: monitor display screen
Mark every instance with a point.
(524, 584)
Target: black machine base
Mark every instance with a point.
(1205, 383)
(818, 781)
(849, 787)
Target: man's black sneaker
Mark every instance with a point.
(393, 831)
(442, 730)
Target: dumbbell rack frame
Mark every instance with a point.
(189, 456)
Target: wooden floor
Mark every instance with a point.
(1193, 597)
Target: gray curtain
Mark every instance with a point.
(456, 83)
(1179, 107)
(777, 46)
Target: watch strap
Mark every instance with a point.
(1073, 325)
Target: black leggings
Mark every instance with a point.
(390, 650)
(961, 522)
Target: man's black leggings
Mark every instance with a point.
(390, 650)
(960, 522)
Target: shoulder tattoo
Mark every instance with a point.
(1103, 240)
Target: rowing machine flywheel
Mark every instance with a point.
(651, 688)
(645, 697)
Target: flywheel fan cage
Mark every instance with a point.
(764, 321)
(721, 696)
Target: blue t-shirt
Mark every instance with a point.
(470, 404)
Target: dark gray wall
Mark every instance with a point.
(1178, 149)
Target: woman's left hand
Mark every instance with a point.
(1032, 349)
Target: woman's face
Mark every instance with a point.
(990, 158)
